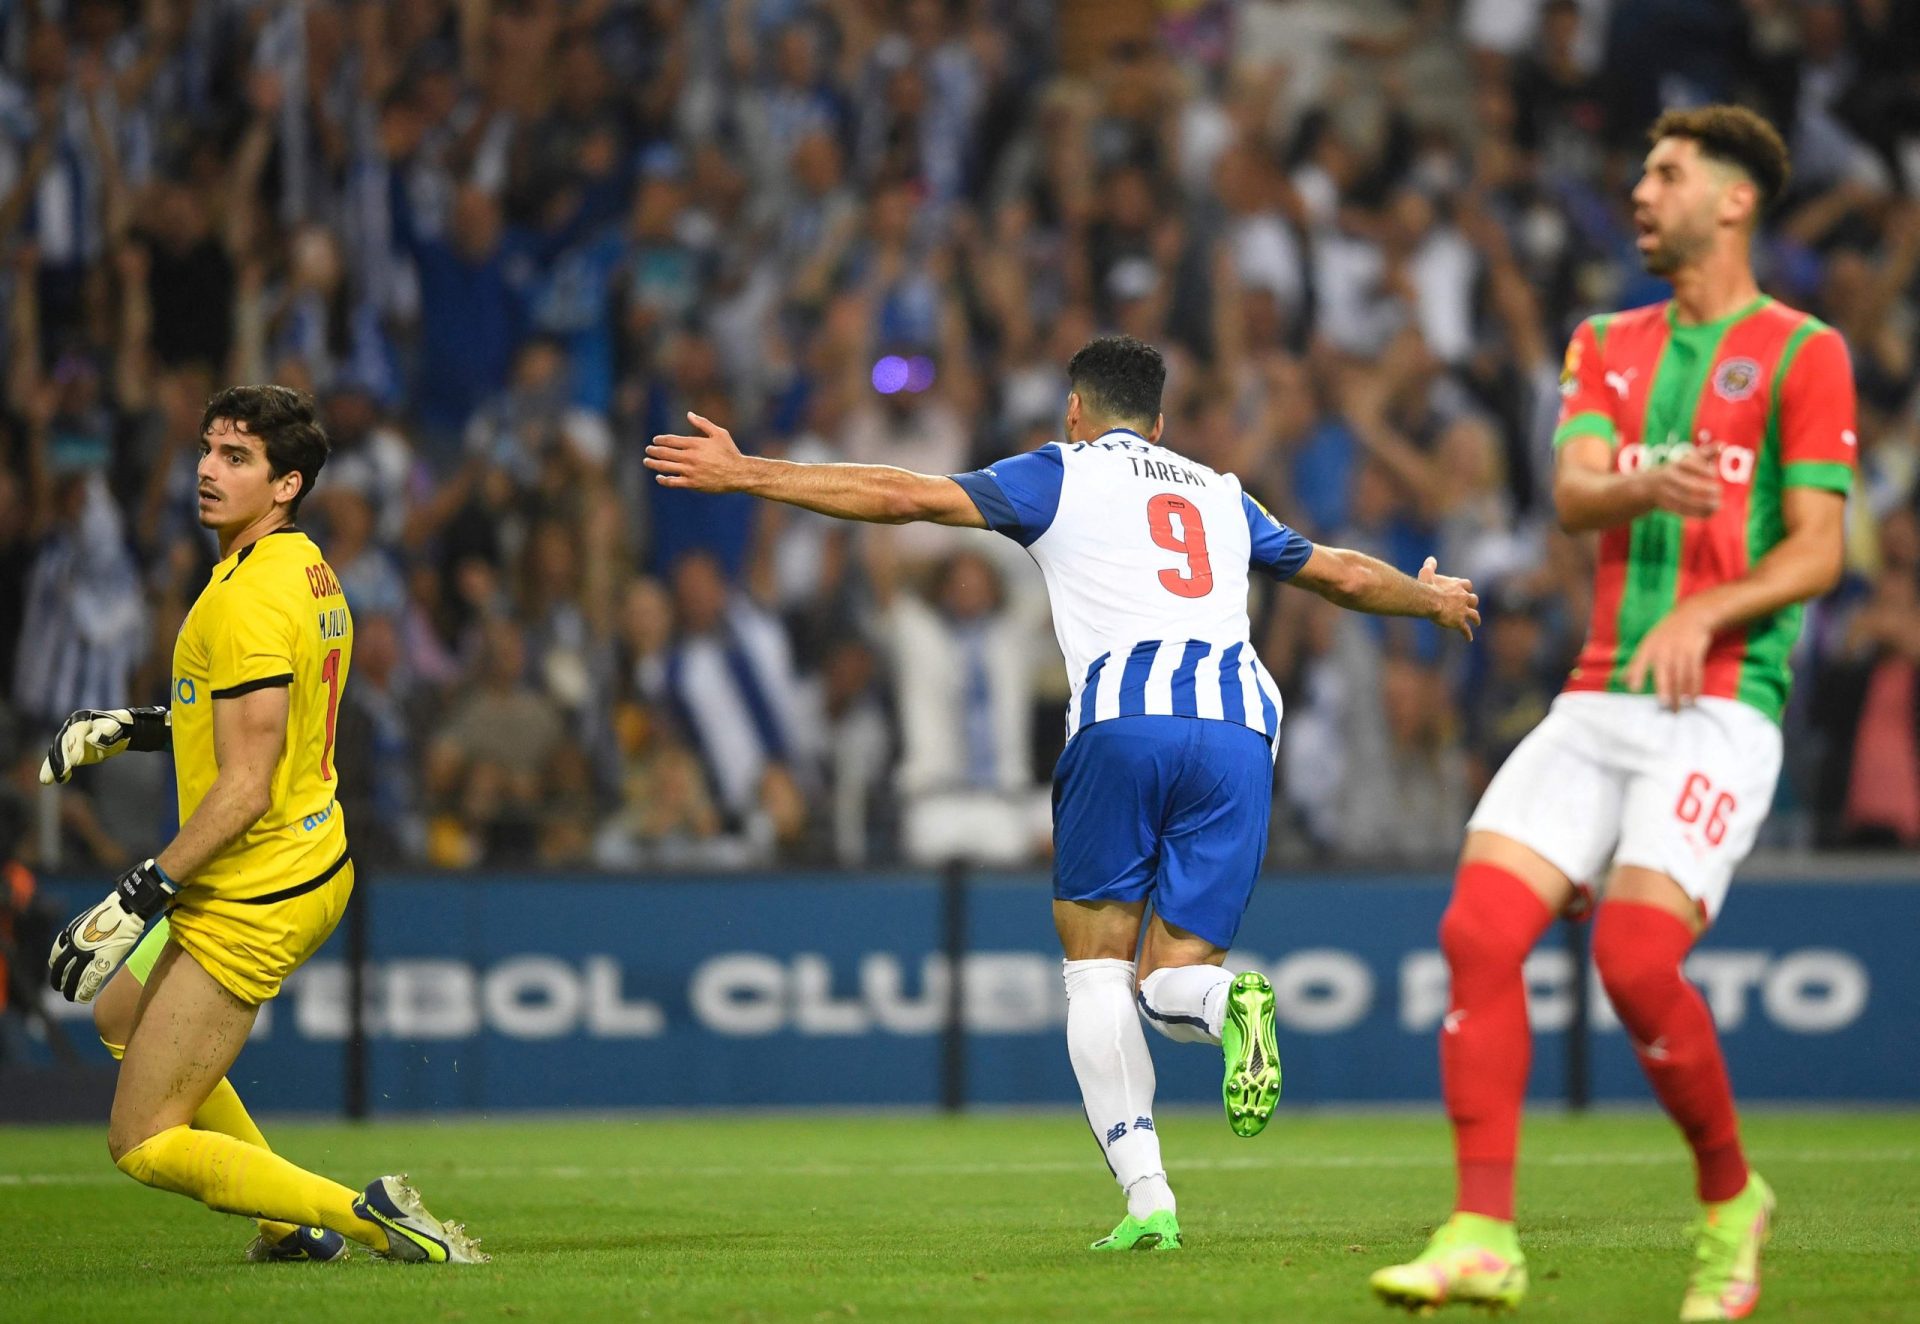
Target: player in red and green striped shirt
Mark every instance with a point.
(1709, 440)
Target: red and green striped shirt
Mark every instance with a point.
(1774, 388)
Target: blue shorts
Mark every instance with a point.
(1174, 809)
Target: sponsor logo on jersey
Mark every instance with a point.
(1735, 464)
(183, 691)
(1622, 382)
(1736, 379)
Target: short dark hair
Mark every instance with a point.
(1737, 136)
(1119, 377)
(287, 426)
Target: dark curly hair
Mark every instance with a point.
(1736, 136)
(285, 421)
(1119, 378)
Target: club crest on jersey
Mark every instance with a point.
(1736, 379)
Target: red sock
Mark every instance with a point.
(1486, 1045)
(1639, 949)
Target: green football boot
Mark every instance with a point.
(1157, 1231)
(1471, 1260)
(1251, 1085)
(1726, 1257)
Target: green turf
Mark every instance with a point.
(898, 1218)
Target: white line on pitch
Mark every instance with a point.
(579, 1172)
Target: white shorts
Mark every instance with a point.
(1611, 779)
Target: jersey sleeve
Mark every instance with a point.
(1818, 445)
(1276, 549)
(1585, 408)
(1018, 496)
(250, 644)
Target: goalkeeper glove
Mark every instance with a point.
(93, 734)
(92, 946)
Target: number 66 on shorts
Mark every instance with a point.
(1612, 779)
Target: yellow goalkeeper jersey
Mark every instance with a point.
(272, 614)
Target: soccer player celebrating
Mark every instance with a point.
(258, 874)
(1163, 792)
(1710, 441)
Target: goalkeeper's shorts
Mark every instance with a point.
(250, 947)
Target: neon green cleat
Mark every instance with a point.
(1471, 1259)
(1159, 1230)
(1251, 1085)
(1726, 1256)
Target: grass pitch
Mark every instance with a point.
(747, 1218)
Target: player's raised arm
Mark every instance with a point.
(708, 461)
(1360, 582)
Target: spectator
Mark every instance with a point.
(368, 575)
(375, 750)
(507, 243)
(84, 623)
(729, 675)
(664, 814)
(963, 685)
(1405, 788)
(534, 422)
(26, 928)
(1878, 762)
(492, 769)
(1515, 680)
(371, 456)
(472, 304)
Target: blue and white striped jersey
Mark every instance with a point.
(1146, 555)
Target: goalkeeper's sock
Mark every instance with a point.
(1108, 1050)
(1638, 949)
(235, 1177)
(223, 1112)
(1486, 1044)
(1187, 1003)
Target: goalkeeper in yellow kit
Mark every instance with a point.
(258, 874)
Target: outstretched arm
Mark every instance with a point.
(1362, 583)
(876, 493)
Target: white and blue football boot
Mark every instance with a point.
(413, 1234)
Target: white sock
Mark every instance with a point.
(1110, 1060)
(1187, 1003)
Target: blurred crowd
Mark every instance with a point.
(504, 242)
